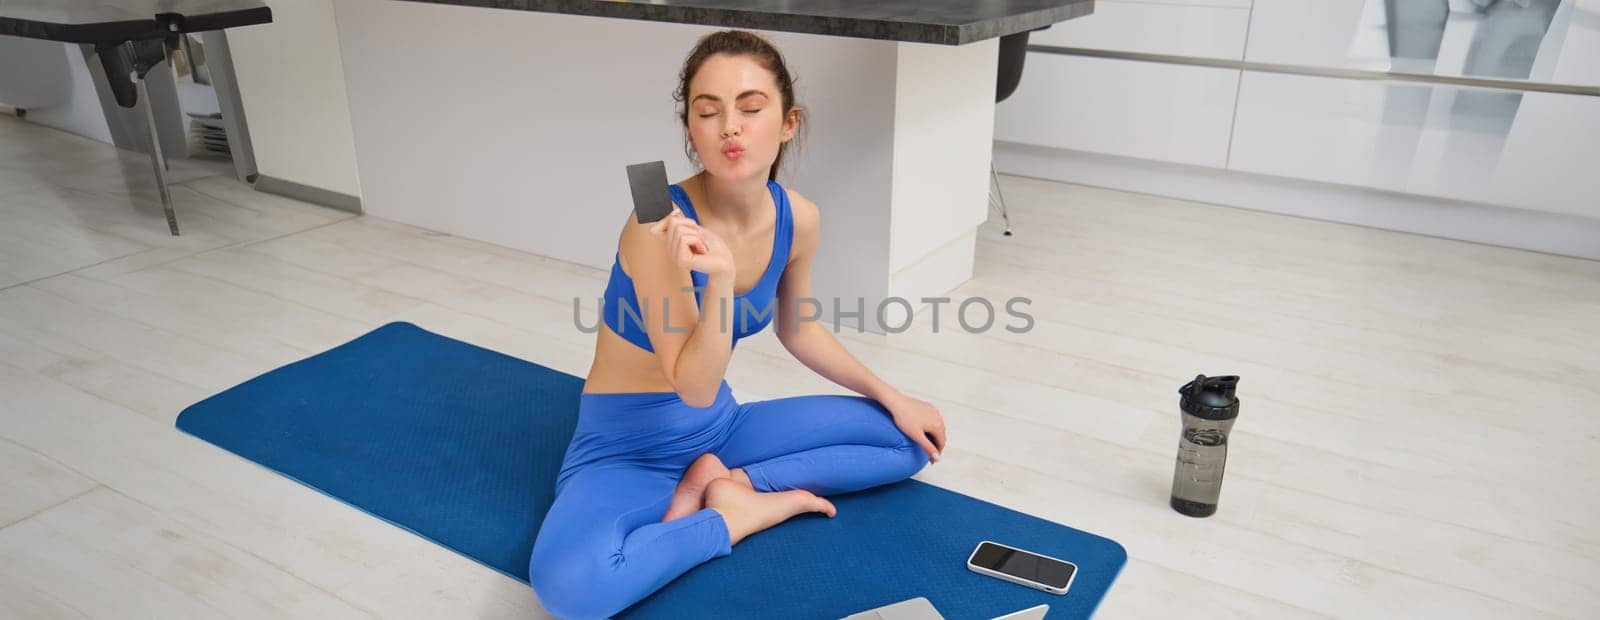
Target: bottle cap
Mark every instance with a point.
(1210, 397)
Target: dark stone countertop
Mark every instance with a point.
(115, 21)
(945, 22)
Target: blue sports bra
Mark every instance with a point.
(620, 309)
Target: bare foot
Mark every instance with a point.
(688, 498)
(748, 511)
(738, 474)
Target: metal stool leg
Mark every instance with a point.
(1003, 216)
(157, 161)
(126, 64)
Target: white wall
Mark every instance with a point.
(51, 81)
(515, 128)
(292, 84)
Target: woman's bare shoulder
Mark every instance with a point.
(807, 223)
(806, 215)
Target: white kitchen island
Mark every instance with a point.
(515, 126)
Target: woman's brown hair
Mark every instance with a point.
(737, 43)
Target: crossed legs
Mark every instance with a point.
(606, 542)
(823, 444)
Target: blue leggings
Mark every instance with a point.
(602, 547)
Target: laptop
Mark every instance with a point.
(920, 609)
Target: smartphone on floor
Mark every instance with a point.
(1021, 567)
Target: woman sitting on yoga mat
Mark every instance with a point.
(666, 469)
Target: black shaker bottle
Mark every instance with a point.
(1209, 408)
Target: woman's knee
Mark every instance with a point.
(918, 457)
(908, 457)
(883, 425)
(572, 585)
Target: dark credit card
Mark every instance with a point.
(651, 200)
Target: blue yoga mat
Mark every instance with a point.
(461, 445)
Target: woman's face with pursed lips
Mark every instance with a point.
(736, 117)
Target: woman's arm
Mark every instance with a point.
(810, 341)
(816, 347)
(694, 353)
(819, 350)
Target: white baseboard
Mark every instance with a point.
(307, 193)
(1539, 231)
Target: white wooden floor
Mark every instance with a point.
(1419, 437)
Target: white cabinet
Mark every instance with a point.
(1544, 41)
(1316, 33)
(1551, 160)
(1512, 148)
(1358, 93)
(1180, 29)
(1148, 110)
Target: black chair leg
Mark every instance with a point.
(1002, 196)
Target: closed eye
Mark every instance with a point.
(711, 114)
